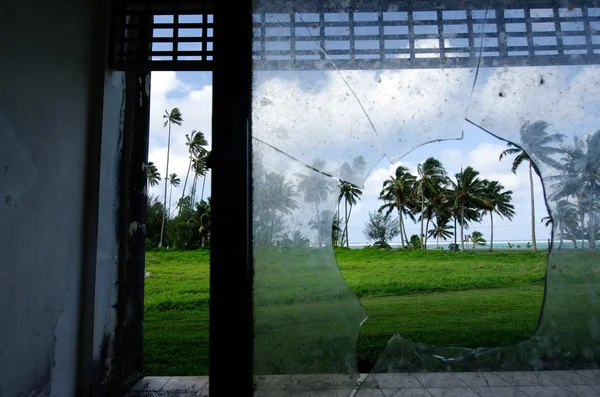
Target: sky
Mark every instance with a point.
(391, 116)
(191, 92)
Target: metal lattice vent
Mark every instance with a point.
(406, 34)
(163, 35)
(178, 35)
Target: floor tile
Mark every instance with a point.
(272, 393)
(452, 392)
(406, 392)
(524, 378)
(186, 384)
(151, 383)
(313, 393)
(499, 391)
(593, 374)
(546, 391)
(369, 393)
(481, 379)
(584, 390)
(344, 392)
(346, 381)
(312, 382)
(369, 382)
(561, 378)
(269, 382)
(439, 380)
(396, 381)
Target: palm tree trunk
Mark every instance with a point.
(340, 243)
(162, 227)
(532, 207)
(422, 214)
(462, 223)
(455, 243)
(170, 197)
(591, 225)
(399, 207)
(426, 232)
(203, 182)
(184, 185)
(346, 214)
(492, 231)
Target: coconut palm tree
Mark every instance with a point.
(172, 117)
(536, 142)
(316, 188)
(153, 174)
(350, 193)
(196, 142)
(431, 179)
(499, 202)
(563, 213)
(581, 179)
(173, 181)
(440, 229)
(396, 194)
(468, 192)
(477, 239)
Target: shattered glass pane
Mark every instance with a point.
(335, 91)
(306, 317)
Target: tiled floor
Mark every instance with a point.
(472, 384)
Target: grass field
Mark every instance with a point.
(469, 299)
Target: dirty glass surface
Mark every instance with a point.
(351, 102)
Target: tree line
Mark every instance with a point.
(444, 206)
(187, 226)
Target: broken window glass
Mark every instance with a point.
(338, 86)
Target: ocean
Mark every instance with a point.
(516, 244)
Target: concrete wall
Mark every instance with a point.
(44, 92)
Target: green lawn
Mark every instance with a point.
(442, 298)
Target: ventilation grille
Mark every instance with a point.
(159, 36)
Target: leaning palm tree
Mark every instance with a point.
(432, 177)
(536, 142)
(580, 178)
(499, 203)
(350, 193)
(396, 194)
(477, 239)
(563, 213)
(173, 181)
(153, 174)
(196, 142)
(172, 117)
(468, 192)
(316, 188)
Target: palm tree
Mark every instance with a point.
(431, 178)
(396, 193)
(468, 192)
(535, 142)
(173, 181)
(172, 117)
(350, 193)
(153, 174)
(196, 143)
(316, 188)
(477, 238)
(440, 229)
(564, 212)
(499, 203)
(581, 179)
